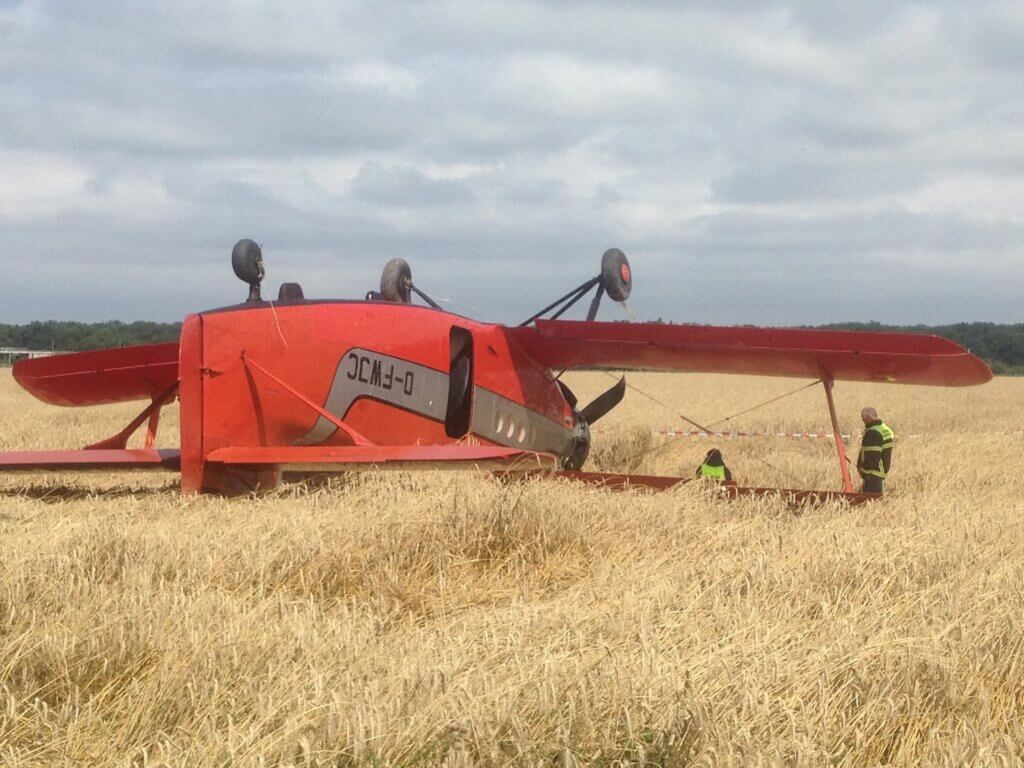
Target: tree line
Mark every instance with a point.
(1000, 345)
(76, 337)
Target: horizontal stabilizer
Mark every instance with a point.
(101, 376)
(351, 458)
(903, 358)
(89, 460)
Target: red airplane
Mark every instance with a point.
(302, 385)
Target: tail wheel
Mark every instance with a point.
(396, 281)
(247, 261)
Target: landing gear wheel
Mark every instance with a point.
(247, 261)
(457, 416)
(396, 281)
(616, 278)
(458, 384)
(580, 445)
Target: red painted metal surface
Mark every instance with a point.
(844, 464)
(366, 456)
(903, 358)
(89, 460)
(190, 398)
(151, 413)
(296, 376)
(354, 436)
(310, 348)
(101, 376)
(267, 387)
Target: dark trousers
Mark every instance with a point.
(872, 484)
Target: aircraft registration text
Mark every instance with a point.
(379, 372)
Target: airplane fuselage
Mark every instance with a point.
(267, 374)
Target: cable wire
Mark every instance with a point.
(688, 420)
(766, 402)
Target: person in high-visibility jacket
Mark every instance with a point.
(875, 457)
(714, 467)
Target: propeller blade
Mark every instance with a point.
(567, 393)
(604, 402)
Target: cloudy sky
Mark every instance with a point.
(774, 165)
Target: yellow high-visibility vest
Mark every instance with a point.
(888, 436)
(716, 473)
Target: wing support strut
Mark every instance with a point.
(151, 412)
(844, 463)
(565, 302)
(357, 438)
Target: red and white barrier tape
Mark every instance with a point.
(729, 435)
(794, 435)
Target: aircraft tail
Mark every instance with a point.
(101, 376)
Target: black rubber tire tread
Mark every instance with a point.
(247, 261)
(458, 395)
(617, 287)
(395, 281)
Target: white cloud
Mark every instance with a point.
(567, 87)
(379, 76)
(793, 146)
(35, 183)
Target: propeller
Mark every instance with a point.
(603, 403)
(594, 410)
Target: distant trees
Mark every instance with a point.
(74, 337)
(1001, 346)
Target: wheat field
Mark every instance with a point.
(448, 619)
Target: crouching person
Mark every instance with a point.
(714, 467)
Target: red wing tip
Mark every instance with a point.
(86, 460)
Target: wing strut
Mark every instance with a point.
(151, 412)
(844, 463)
(357, 438)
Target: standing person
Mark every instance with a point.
(714, 467)
(875, 457)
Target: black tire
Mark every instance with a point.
(616, 277)
(457, 417)
(580, 446)
(247, 261)
(395, 281)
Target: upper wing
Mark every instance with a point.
(101, 376)
(905, 358)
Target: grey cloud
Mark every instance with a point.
(792, 175)
(756, 162)
(405, 186)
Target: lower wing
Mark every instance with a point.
(90, 460)
(294, 458)
(904, 358)
(288, 458)
(299, 459)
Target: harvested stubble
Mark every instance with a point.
(420, 620)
